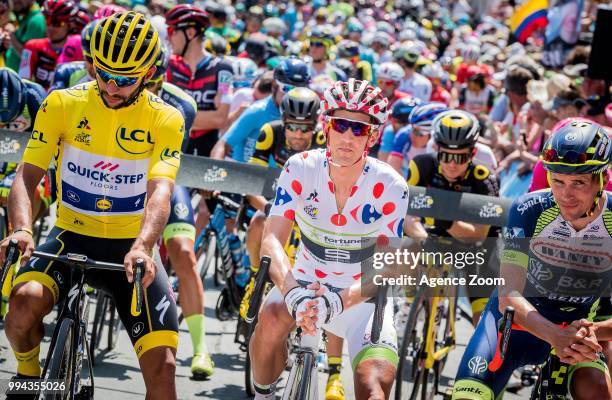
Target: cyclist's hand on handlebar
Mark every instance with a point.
(130, 262)
(26, 246)
(297, 300)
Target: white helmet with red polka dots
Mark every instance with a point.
(357, 96)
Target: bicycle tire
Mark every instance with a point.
(412, 335)
(98, 325)
(113, 326)
(204, 255)
(61, 358)
(308, 361)
(219, 275)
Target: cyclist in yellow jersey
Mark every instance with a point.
(117, 152)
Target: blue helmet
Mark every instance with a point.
(403, 107)
(580, 147)
(422, 116)
(13, 95)
(292, 71)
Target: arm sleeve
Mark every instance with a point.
(238, 132)
(289, 188)
(166, 157)
(401, 144)
(47, 132)
(264, 146)
(414, 175)
(516, 241)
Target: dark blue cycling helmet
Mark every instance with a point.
(403, 107)
(422, 116)
(162, 62)
(292, 71)
(86, 40)
(580, 147)
(13, 95)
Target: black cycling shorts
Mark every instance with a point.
(157, 324)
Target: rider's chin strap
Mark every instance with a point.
(187, 41)
(597, 198)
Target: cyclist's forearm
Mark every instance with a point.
(258, 202)
(603, 330)
(526, 315)
(211, 119)
(219, 150)
(280, 267)
(22, 194)
(465, 231)
(156, 214)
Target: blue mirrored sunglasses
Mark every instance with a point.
(120, 81)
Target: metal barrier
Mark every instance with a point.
(234, 177)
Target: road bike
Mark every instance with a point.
(69, 344)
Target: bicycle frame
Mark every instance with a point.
(75, 308)
(433, 356)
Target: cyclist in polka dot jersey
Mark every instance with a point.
(337, 196)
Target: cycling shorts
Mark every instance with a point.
(157, 324)
(181, 222)
(475, 381)
(202, 145)
(354, 325)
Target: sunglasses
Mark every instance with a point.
(387, 83)
(120, 81)
(570, 157)
(306, 128)
(342, 125)
(447, 158)
(420, 131)
(317, 44)
(284, 87)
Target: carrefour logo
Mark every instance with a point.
(131, 141)
(102, 172)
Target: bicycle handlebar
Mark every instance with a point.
(379, 313)
(81, 261)
(257, 295)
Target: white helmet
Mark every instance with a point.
(470, 53)
(390, 71)
(433, 71)
(357, 96)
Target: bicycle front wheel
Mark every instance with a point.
(60, 368)
(412, 350)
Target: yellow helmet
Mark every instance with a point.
(125, 44)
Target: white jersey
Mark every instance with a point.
(416, 86)
(330, 249)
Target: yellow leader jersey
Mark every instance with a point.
(104, 157)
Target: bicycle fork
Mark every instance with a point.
(302, 383)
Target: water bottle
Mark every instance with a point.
(235, 248)
(242, 272)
